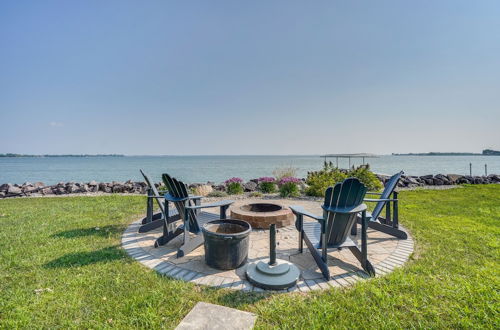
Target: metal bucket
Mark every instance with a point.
(226, 243)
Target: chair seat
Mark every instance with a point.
(202, 218)
(313, 232)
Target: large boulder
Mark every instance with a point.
(454, 177)
(14, 190)
(47, 191)
(494, 178)
(139, 187)
(438, 182)
(443, 178)
(250, 186)
(29, 189)
(203, 190)
(426, 177)
(104, 187)
(72, 188)
(59, 190)
(5, 187)
(118, 187)
(220, 187)
(412, 180)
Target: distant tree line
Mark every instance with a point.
(486, 152)
(69, 155)
(489, 152)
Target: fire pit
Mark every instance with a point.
(262, 215)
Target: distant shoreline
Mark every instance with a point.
(486, 152)
(69, 155)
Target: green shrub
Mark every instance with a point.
(319, 181)
(217, 193)
(289, 187)
(366, 176)
(267, 184)
(234, 186)
(267, 187)
(255, 194)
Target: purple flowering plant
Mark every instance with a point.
(289, 179)
(233, 186)
(289, 187)
(234, 180)
(266, 179)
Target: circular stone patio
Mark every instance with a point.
(384, 252)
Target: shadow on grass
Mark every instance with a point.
(239, 298)
(104, 231)
(79, 259)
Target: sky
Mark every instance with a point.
(249, 77)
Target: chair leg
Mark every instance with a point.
(354, 229)
(387, 229)
(151, 225)
(189, 245)
(367, 266)
(301, 241)
(323, 265)
(362, 255)
(149, 208)
(156, 216)
(164, 239)
(298, 226)
(395, 222)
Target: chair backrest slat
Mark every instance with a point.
(349, 193)
(388, 189)
(155, 191)
(179, 190)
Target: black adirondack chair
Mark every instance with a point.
(189, 208)
(156, 220)
(389, 224)
(343, 203)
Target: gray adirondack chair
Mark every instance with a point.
(189, 208)
(156, 220)
(389, 224)
(342, 204)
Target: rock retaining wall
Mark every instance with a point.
(442, 180)
(64, 188)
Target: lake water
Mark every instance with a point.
(51, 170)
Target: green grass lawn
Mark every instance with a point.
(53, 244)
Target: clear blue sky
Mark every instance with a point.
(249, 77)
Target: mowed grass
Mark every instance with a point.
(70, 248)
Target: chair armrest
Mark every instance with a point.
(173, 199)
(170, 198)
(379, 200)
(373, 193)
(346, 210)
(296, 209)
(216, 204)
(157, 197)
